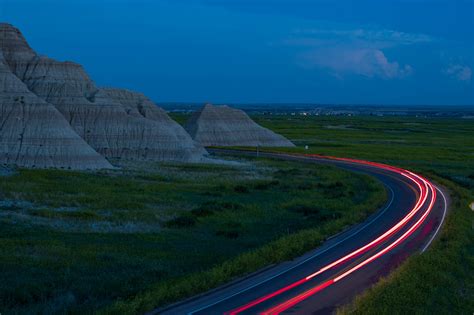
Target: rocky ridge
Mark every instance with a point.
(105, 119)
(33, 133)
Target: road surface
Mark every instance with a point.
(346, 264)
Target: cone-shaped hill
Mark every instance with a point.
(226, 126)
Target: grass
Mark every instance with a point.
(115, 241)
(76, 242)
(438, 282)
(441, 280)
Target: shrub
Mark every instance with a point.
(306, 210)
(241, 189)
(230, 230)
(264, 185)
(210, 207)
(232, 234)
(332, 190)
(183, 221)
(314, 212)
(288, 172)
(202, 211)
(305, 186)
(216, 191)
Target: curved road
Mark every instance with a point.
(345, 265)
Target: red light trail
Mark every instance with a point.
(425, 188)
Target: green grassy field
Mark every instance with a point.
(440, 281)
(125, 240)
(129, 240)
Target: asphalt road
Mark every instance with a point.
(346, 264)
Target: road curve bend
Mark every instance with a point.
(331, 275)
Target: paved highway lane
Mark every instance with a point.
(346, 264)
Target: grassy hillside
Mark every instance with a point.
(75, 242)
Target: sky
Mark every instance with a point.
(392, 52)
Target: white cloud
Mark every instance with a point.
(459, 72)
(354, 51)
(367, 62)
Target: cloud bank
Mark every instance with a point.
(365, 62)
(354, 51)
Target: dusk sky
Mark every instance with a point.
(288, 51)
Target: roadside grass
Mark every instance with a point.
(440, 281)
(126, 241)
(284, 248)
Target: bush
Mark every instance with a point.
(231, 234)
(305, 186)
(288, 172)
(208, 208)
(264, 185)
(332, 190)
(184, 221)
(315, 212)
(306, 210)
(202, 212)
(241, 189)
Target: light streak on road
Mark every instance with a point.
(425, 188)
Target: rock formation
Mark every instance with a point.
(34, 134)
(175, 142)
(226, 126)
(109, 120)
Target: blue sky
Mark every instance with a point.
(229, 51)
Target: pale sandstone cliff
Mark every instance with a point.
(175, 139)
(98, 116)
(34, 134)
(226, 126)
